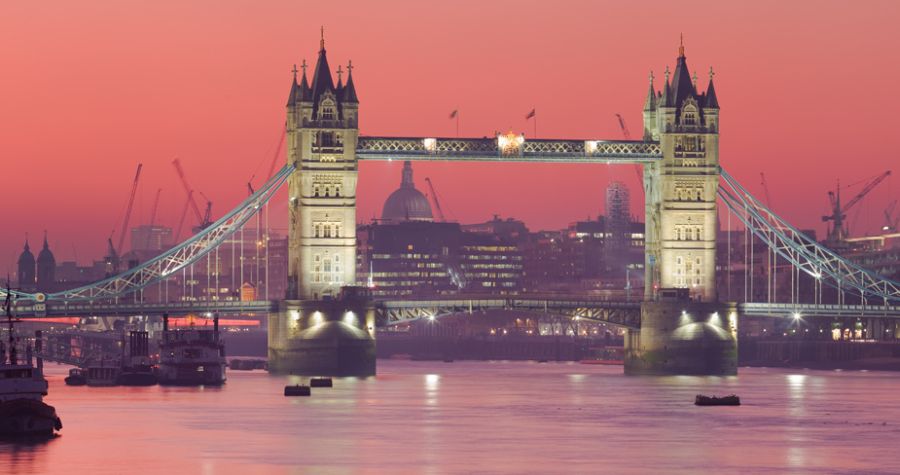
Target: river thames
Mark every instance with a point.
(477, 417)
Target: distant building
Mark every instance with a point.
(153, 239)
(46, 269)
(26, 269)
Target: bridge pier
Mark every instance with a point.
(334, 337)
(683, 338)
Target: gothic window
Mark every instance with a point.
(317, 190)
(679, 272)
(689, 115)
(327, 110)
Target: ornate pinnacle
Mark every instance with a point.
(322, 39)
(339, 73)
(711, 73)
(303, 67)
(349, 66)
(294, 70)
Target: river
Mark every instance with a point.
(477, 417)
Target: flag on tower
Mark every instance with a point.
(454, 113)
(530, 114)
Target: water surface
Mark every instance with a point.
(477, 417)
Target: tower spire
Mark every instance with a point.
(681, 47)
(322, 39)
(650, 103)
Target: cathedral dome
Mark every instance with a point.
(406, 203)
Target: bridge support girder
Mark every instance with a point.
(684, 338)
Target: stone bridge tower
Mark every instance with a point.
(681, 225)
(322, 130)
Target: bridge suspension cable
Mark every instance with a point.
(804, 253)
(173, 260)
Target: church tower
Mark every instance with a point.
(46, 268)
(681, 189)
(322, 130)
(26, 269)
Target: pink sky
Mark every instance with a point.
(88, 90)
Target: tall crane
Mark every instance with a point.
(153, 217)
(202, 222)
(184, 211)
(838, 233)
(437, 204)
(134, 186)
(890, 222)
(627, 134)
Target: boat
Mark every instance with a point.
(101, 374)
(76, 377)
(136, 369)
(320, 383)
(731, 400)
(23, 412)
(297, 390)
(194, 356)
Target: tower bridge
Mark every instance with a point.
(325, 325)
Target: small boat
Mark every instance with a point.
(23, 412)
(102, 375)
(137, 376)
(320, 383)
(76, 377)
(297, 390)
(702, 400)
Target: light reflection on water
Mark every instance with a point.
(434, 417)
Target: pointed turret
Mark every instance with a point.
(349, 94)
(650, 102)
(321, 82)
(712, 101)
(46, 267)
(295, 88)
(666, 98)
(304, 86)
(682, 86)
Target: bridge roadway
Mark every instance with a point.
(392, 312)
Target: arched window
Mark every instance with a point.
(689, 114)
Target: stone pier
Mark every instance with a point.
(684, 338)
(333, 337)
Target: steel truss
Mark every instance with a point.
(626, 314)
(804, 253)
(173, 260)
(488, 149)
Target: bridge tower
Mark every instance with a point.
(684, 329)
(681, 189)
(322, 129)
(325, 327)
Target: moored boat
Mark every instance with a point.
(194, 356)
(23, 412)
(731, 400)
(76, 377)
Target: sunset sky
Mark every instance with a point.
(808, 91)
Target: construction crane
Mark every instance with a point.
(152, 217)
(765, 185)
(187, 205)
(202, 222)
(838, 232)
(437, 204)
(134, 186)
(890, 222)
(274, 161)
(627, 134)
(207, 213)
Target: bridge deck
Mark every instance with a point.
(492, 149)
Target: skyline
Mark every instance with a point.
(236, 118)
